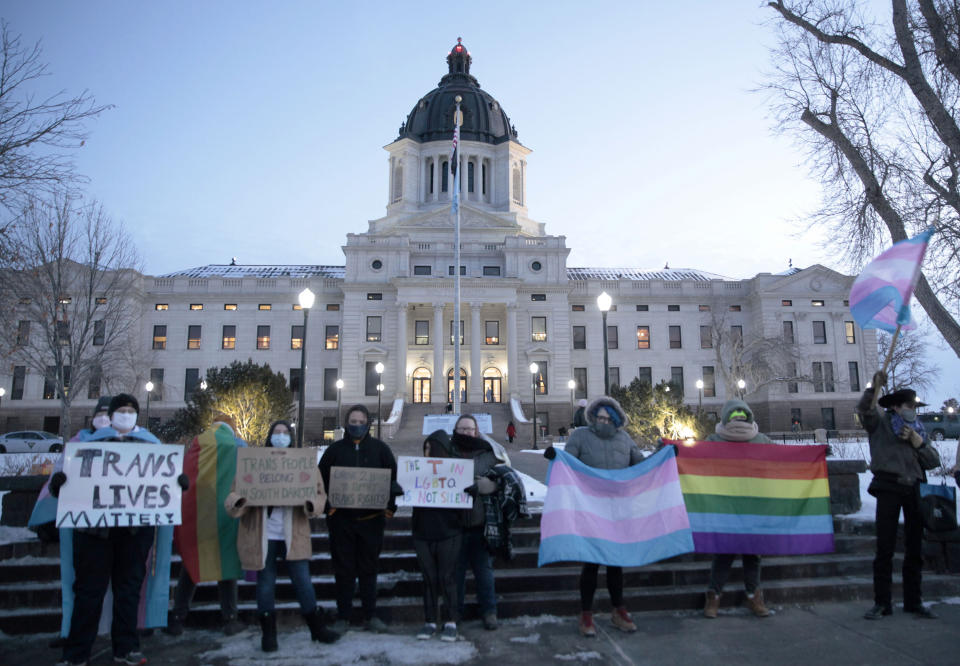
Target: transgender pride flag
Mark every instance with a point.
(880, 296)
(618, 517)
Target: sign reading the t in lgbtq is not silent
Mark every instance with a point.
(359, 488)
(271, 476)
(120, 484)
(436, 482)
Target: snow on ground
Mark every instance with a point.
(353, 648)
(532, 638)
(578, 656)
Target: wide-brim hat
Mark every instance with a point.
(901, 397)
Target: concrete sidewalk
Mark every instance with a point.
(833, 633)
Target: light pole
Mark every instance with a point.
(699, 396)
(306, 298)
(534, 369)
(740, 386)
(339, 389)
(572, 384)
(149, 387)
(379, 368)
(604, 301)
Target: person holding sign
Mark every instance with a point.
(285, 531)
(356, 534)
(116, 556)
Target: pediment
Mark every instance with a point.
(816, 279)
(441, 218)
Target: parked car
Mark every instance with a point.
(30, 441)
(941, 426)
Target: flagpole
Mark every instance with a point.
(458, 121)
(886, 364)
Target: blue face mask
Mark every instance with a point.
(280, 439)
(357, 431)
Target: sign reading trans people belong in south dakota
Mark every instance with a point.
(435, 482)
(120, 484)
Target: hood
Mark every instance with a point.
(108, 434)
(732, 405)
(605, 401)
(440, 444)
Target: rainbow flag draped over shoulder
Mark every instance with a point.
(618, 517)
(762, 499)
(207, 539)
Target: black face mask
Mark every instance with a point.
(357, 431)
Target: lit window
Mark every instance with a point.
(193, 337)
(578, 308)
(787, 303)
(229, 337)
(101, 300)
(333, 307)
(492, 330)
(538, 329)
(65, 300)
(817, 303)
(159, 307)
(850, 332)
(196, 306)
(704, 308)
(332, 337)
(451, 331)
(643, 337)
(263, 337)
(229, 306)
(265, 306)
(375, 297)
(538, 297)
(296, 336)
(374, 329)
(297, 306)
(734, 308)
(159, 337)
(421, 332)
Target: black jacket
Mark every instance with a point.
(369, 452)
(437, 524)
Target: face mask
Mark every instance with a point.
(605, 430)
(357, 431)
(123, 421)
(101, 421)
(280, 439)
(908, 415)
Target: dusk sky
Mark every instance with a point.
(255, 130)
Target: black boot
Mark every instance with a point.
(268, 625)
(318, 630)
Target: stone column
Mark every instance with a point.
(476, 340)
(514, 373)
(401, 365)
(438, 388)
(437, 176)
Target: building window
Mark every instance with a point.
(817, 303)
(538, 297)
(676, 378)
(675, 342)
(787, 303)
(228, 339)
(735, 308)
(673, 308)
(422, 270)
(263, 337)
(788, 332)
(371, 378)
(296, 336)
(193, 337)
(333, 307)
(517, 186)
(230, 306)
(463, 270)
(65, 300)
(444, 176)
(643, 337)
(823, 377)
(579, 337)
(850, 332)
(736, 335)
(792, 386)
(376, 264)
(374, 329)
(643, 308)
(538, 329)
(580, 377)
(492, 332)
(190, 380)
(375, 296)
(613, 337)
(159, 337)
(19, 380)
(578, 308)
(23, 333)
(645, 375)
(196, 306)
(536, 266)
(265, 306)
(332, 337)
(295, 383)
(706, 337)
(93, 384)
(99, 332)
(63, 332)
(49, 387)
(100, 300)
(160, 307)
(827, 417)
(704, 308)
(796, 416)
(540, 379)
(156, 376)
(709, 381)
(330, 376)
(483, 178)
(421, 332)
(614, 376)
(469, 176)
(451, 332)
(819, 333)
(491, 271)
(854, 373)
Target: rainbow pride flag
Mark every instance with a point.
(618, 517)
(762, 499)
(207, 539)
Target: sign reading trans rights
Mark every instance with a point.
(435, 482)
(120, 484)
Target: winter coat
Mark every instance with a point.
(721, 435)
(587, 446)
(893, 461)
(579, 418)
(501, 509)
(484, 460)
(368, 452)
(437, 524)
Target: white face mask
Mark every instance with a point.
(280, 440)
(101, 421)
(123, 421)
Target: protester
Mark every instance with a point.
(579, 417)
(356, 535)
(207, 541)
(267, 534)
(900, 452)
(115, 556)
(511, 432)
(602, 444)
(437, 536)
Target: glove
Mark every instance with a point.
(471, 490)
(485, 486)
(395, 489)
(550, 453)
(879, 379)
(57, 480)
(183, 481)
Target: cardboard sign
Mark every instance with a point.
(359, 488)
(120, 484)
(435, 482)
(271, 476)
(432, 422)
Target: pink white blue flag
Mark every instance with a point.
(617, 517)
(880, 296)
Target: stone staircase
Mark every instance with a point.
(30, 587)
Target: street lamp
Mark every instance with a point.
(604, 301)
(306, 298)
(149, 387)
(572, 384)
(534, 369)
(3, 392)
(203, 384)
(699, 396)
(740, 386)
(950, 410)
(379, 368)
(339, 389)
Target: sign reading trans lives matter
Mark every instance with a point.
(271, 476)
(120, 484)
(436, 482)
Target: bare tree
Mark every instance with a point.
(908, 365)
(875, 105)
(69, 302)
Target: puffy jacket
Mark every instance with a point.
(615, 453)
(729, 407)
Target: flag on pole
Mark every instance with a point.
(618, 517)
(454, 156)
(880, 296)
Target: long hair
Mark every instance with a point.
(273, 426)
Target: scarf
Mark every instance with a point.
(737, 431)
(897, 423)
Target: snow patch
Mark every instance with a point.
(578, 656)
(535, 620)
(532, 638)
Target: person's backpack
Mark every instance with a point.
(938, 507)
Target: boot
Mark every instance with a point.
(755, 604)
(318, 630)
(174, 625)
(268, 627)
(712, 606)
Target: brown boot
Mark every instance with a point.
(712, 606)
(621, 619)
(587, 628)
(756, 606)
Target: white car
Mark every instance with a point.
(30, 441)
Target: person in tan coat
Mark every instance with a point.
(268, 534)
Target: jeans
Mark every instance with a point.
(887, 519)
(438, 562)
(299, 572)
(720, 571)
(186, 588)
(474, 554)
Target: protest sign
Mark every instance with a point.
(359, 488)
(271, 476)
(120, 484)
(446, 422)
(435, 482)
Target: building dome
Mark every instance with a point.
(432, 116)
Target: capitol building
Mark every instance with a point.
(788, 336)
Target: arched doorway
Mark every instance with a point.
(463, 385)
(421, 385)
(492, 379)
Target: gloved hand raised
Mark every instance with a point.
(57, 480)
